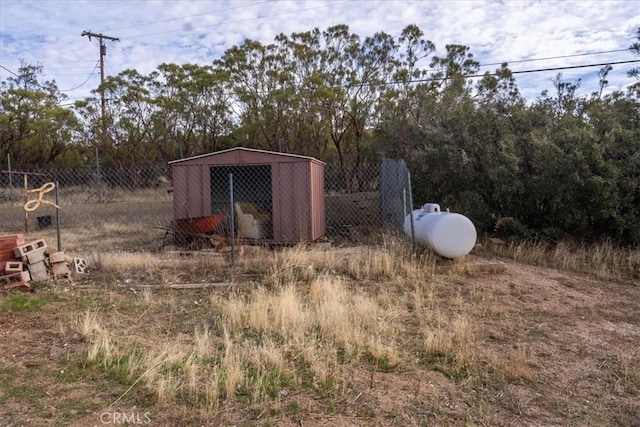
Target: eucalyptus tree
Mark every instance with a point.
(356, 73)
(263, 102)
(444, 159)
(314, 92)
(129, 122)
(399, 106)
(34, 128)
(302, 54)
(192, 113)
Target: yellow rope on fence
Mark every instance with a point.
(34, 204)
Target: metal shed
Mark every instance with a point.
(274, 197)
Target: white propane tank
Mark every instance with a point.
(450, 235)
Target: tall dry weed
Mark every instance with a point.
(603, 260)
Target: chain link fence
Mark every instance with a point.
(357, 206)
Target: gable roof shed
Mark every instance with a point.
(287, 187)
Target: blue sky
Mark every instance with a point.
(48, 32)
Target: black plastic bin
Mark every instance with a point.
(44, 221)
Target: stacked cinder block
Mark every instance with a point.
(34, 261)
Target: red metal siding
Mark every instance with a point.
(301, 207)
(283, 199)
(297, 184)
(192, 191)
(180, 194)
(317, 209)
(291, 202)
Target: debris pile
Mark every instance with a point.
(22, 263)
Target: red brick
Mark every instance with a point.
(13, 280)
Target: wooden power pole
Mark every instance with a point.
(103, 52)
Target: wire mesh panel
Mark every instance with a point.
(243, 194)
(281, 199)
(138, 196)
(395, 194)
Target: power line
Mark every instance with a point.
(538, 70)
(569, 67)
(555, 57)
(5, 68)
(434, 79)
(84, 82)
(18, 61)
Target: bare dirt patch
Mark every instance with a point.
(550, 348)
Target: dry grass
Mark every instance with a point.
(312, 323)
(309, 321)
(604, 260)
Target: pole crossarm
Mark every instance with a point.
(99, 36)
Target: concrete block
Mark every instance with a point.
(34, 257)
(57, 257)
(79, 265)
(38, 271)
(37, 267)
(60, 270)
(23, 250)
(40, 276)
(13, 267)
(25, 276)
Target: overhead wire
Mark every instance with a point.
(84, 82)
(443, 78)
(538, 70)
(5, 68)
(548, 58)
(333, 4)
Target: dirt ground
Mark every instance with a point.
(571, 347)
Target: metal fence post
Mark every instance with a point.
(232, 218)
(413, 231)
(58, 216)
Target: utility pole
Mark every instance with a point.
(103, 52)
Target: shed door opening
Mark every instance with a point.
(252, 198)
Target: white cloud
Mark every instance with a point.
(155, 31)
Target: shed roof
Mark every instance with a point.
(270, 154)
